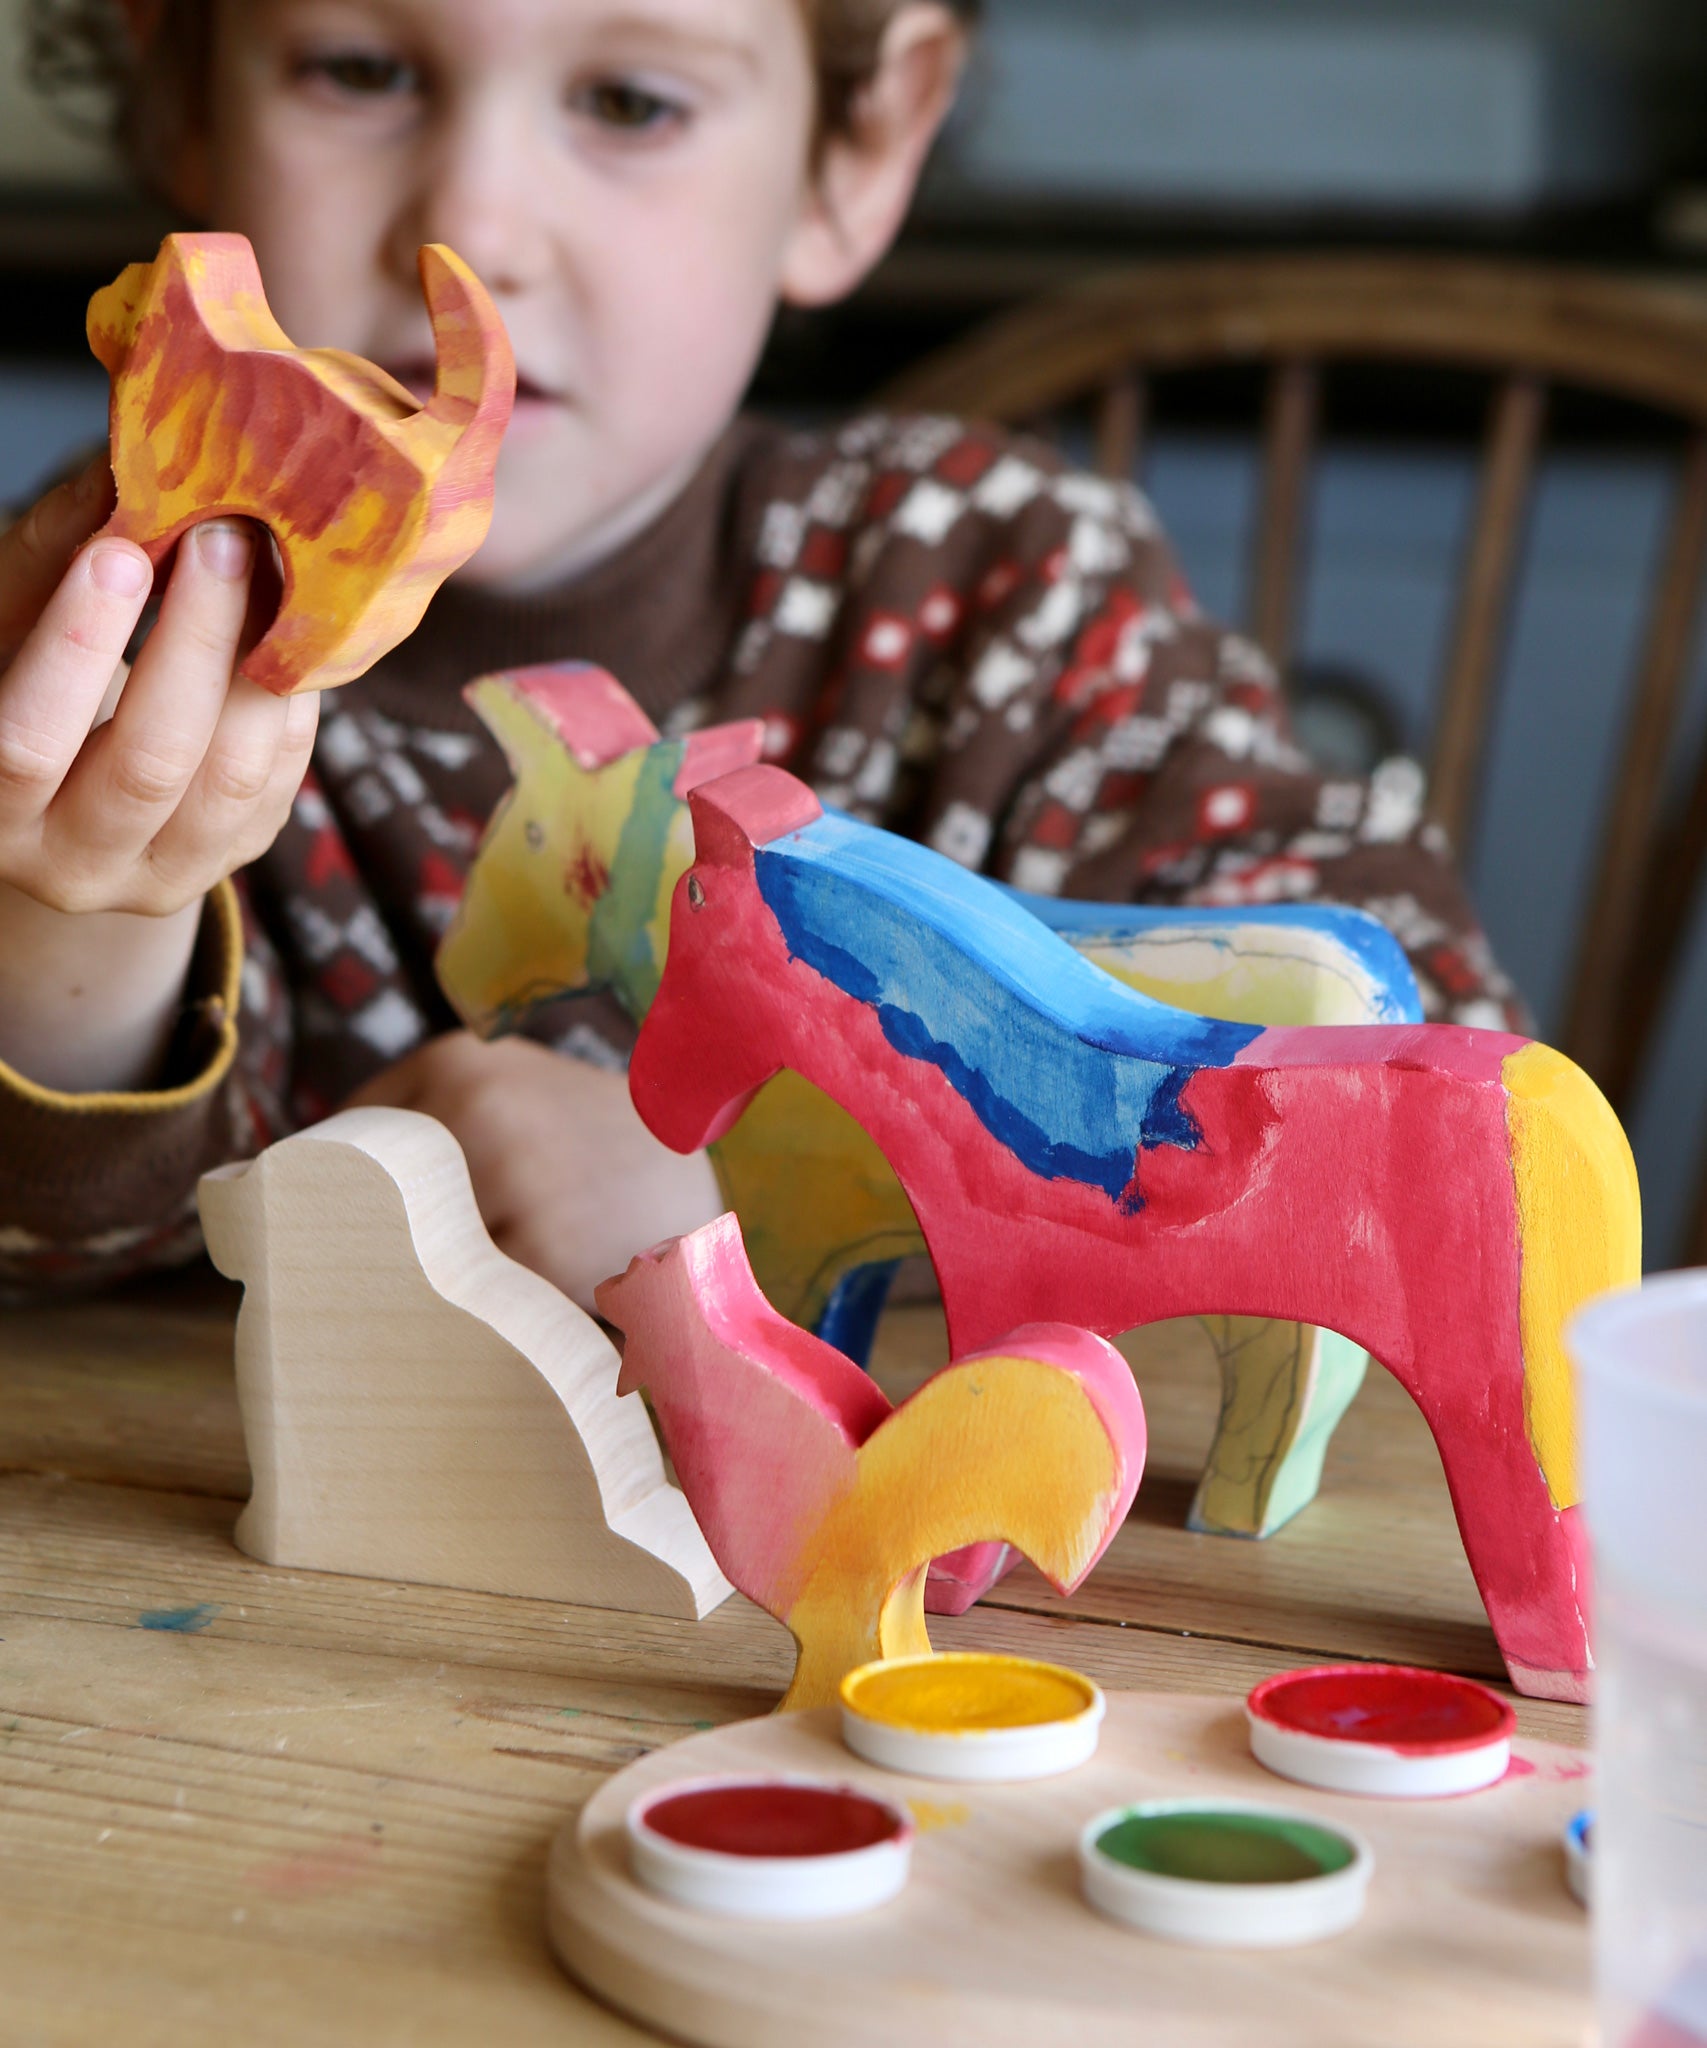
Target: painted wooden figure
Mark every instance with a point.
(416, 1405)
(571, 889)
(1444, 1197)
(824, 1504)
(372, 497)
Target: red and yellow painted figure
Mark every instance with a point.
(372, 499)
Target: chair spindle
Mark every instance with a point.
(1289, 446)
(1626, 946)
(1508, 466)
(1120, 423)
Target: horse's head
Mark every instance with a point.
(571, 887)
(707, 1045)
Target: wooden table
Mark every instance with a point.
(245, 1805)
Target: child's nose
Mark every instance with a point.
(480, 189)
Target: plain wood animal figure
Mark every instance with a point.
(1444, 1197)
(418, 1406)
(372, 498)
(571, 891)
(825, 1505)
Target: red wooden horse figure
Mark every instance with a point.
(1075, 1152)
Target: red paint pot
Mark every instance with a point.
(1389, 1730)
(781, 1848)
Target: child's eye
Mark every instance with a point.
(629, 108)
(360, 74)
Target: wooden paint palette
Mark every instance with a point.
(1469, 1932)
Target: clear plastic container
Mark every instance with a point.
(1642, 1355)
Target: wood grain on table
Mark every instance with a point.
(239, 1804)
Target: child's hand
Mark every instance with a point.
(195, 771)
(113, 829)
(568, 1179)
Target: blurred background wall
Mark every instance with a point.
(1096, 131)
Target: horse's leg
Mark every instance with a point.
(1529, 1558)
(1284, 1388)
(959, 1578)
(823, 1217)
(855, 1306)
(1493, 1378)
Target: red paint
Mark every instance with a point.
(586, 878)
(347, 1861)
(719, 750)
(772, 1817)
(588, 708)
(1390, 1706)
(1519, 1767)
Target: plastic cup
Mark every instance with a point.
(1642, 1358)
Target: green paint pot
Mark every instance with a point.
(1226, 1873)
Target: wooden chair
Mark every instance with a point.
(1528, 328)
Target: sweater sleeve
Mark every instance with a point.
(1180, 784)
(1016, 672)
(95, 1188)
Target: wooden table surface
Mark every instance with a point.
(258, 1806)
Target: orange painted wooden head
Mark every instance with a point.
(372, 499)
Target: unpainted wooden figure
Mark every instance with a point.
(1444, 1197)
(824, 1504)
(372, 497)
(416, 1405)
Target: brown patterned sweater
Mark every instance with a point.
(946, 632)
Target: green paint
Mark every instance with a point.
(619, 936)
(1212, 1846)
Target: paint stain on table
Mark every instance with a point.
(344, 1863)
(178, 1621)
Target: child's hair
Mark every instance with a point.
(148, 98)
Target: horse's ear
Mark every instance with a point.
(587, 708)
(749, 808)
(719, 750)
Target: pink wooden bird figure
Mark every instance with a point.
(824, 1504)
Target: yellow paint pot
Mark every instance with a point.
(970, 1717)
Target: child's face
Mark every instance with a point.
(630, 178)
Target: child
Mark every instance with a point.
(943, 631)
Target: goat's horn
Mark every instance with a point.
(476, 380)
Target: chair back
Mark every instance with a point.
(1529, 329)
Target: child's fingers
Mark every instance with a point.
(52, 690)
(240, 795)
(36, 550)
(135, 770)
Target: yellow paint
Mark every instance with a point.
(1268, 978)
(806, 1227)
(931, 1816)
(1579, 1233)
(519, 935)
(966, 1691)
(990, 1448)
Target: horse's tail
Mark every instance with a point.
(1579, 1220)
